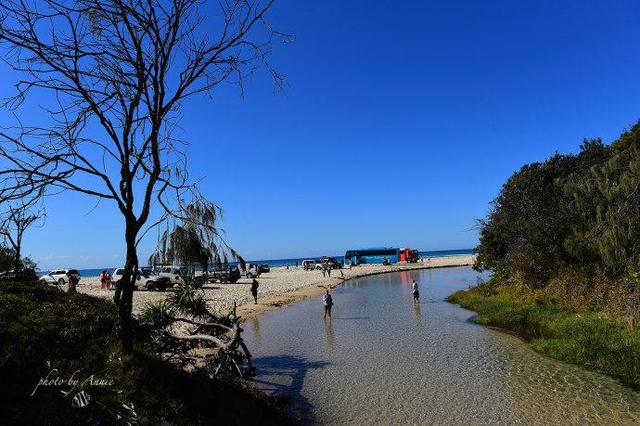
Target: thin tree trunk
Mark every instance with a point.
(17, 264)
(123, 296)
(17, 247)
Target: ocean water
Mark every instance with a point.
(384, 360)
(286, 262)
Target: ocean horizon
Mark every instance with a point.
(274, 263)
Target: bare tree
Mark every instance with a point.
(118, 72)
(15, 220)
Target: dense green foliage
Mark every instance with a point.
(44, 331)
(571, 225)
(563, 242)
(7, 256)
(588, 339)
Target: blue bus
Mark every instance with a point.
(372, 255)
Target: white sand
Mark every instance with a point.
(278, 287)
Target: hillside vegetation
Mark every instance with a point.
(563, 241)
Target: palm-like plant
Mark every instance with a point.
(193, 238)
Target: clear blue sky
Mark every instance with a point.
(399, 124)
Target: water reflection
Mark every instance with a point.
(255, 327)
(329, 335)
(417, 313)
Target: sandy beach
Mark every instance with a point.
(278, 287)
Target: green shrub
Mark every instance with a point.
(589, 339)
(43, 329)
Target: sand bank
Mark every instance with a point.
(279, 287)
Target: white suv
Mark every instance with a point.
(59, 276)
(171, 272)
(145, 278)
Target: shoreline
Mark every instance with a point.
(273, 302)
(582, 338)
(281, 286)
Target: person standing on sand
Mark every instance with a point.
(324, 271)
(254, 290)
(329, 270)
(73, 282)
(327, 301)
(109, 283)
(103, 279)
(416, 292)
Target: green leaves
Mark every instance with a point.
(568, 211)
(193, 238)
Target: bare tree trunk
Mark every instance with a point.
(123, 296)
(128, 67)
(17, 264)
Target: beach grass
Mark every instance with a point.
(586, 338)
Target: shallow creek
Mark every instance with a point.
(384, 360)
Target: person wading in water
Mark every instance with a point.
(254, 290)
(416, 293)
(328, 303)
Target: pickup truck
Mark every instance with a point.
(229, 275)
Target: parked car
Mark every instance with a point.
(59, 276)
(145, 279)
(264, 268)
(252, 270)
(229, 275)
(309, 265)
(171, 272)
(331, 262)
(48, 279)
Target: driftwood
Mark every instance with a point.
(198, 337)
(230, 351)
(203, 324)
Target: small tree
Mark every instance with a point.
(194, 239)
(117, 72)
(14, 222)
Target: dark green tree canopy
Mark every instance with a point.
(569, 211)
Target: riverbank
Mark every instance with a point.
(592, 340)
(278, 287)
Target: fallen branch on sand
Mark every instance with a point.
(182, 325)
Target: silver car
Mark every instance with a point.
(145, 279)
(59, 276)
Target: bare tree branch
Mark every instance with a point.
(118, 72)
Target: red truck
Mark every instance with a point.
(409, 255)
